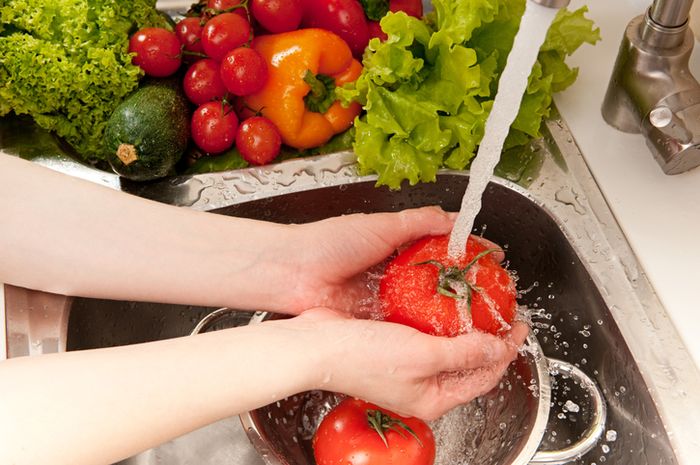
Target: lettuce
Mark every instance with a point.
(428, 89)
(66, 63)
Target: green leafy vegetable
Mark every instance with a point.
(429, 87)
(66, 63)
(229, 160)
(375, 9)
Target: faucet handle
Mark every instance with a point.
(672, 130)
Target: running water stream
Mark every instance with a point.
(511, 88)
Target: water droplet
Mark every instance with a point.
(571, 406)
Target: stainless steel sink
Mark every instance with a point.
(592, 304)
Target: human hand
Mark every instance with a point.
(400, 368)
(334, 255)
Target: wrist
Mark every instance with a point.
(258, 268)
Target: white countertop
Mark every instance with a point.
(659, 214)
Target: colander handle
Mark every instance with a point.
(210, 318)
(594, 432)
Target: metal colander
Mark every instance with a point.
(504, 426)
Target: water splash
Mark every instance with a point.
(511, 88)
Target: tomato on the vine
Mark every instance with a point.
(277, 15)
(223, 33)
(244, 71)
(258, 140)
(410, 7)
(157, 51)
(214, 127)
(202, 82)
(375, 30)
(359, 433)
(228, 6)
(346, 18)
(189, 32)
(421, 288)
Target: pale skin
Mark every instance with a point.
(69, 236)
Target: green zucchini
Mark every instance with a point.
(148, 132)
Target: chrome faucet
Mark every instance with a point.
(652, 90)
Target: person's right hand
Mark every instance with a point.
(400, 368)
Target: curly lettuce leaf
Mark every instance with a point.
(428, 89)
(66, 63)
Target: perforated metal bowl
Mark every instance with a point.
(505, 426)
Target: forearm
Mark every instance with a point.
(97, 407)
(70, 236)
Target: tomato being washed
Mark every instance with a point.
(421, 288)
(359, 433)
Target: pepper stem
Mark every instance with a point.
(322, 93)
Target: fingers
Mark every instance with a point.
(517, 335)
(426, 221)
(469, 351)
(408, 225)
(473, 365)
(499, 255)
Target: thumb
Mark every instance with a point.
(405, 226)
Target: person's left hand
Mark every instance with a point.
(333, 255)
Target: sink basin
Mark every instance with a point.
(592, 305)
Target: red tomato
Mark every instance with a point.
(277, 15)
(214, 127)
(202, 82)
(228, 6)
(223, 33)
(410, 7)
(189, 32)
(243, 71)
(344, 17)
(157, 51)
(408, 290)
(375, 30)
(359, 433)
(222, 5)
(258, 140)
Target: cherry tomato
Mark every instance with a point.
(375, 30)
(409, 289)
(189, 32)
(223, 33)
(202, 82)
(410, 7)
(258, 140)
(225, 5)
(244, 71)
(343, 17)
(214, 127)
(359, 433)
(157, 51)
(277, 15)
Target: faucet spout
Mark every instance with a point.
(652, 90)
(670, 13)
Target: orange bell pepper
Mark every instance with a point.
(295, 59)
